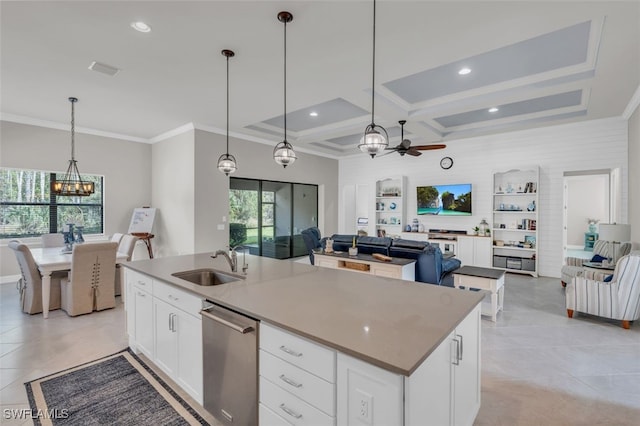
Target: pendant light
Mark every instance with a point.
(283, 152)
(72, 183)
(375, 138)
(227, 162)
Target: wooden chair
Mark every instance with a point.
(127, 245)
(52, 240)
(91, 283)
(31, 281)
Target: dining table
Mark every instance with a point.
(52, 259)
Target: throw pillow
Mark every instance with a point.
(608, 278)
(597, 258)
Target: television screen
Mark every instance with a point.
(448, 200)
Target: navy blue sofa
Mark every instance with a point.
(431, 267)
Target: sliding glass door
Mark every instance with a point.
(268, 216)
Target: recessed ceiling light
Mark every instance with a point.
(313, 114)
(494, 109)
(141, 26)
(464, 71)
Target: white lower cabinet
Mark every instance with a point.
(474, 251)
(164, 324)
(444, 390)
(297, 380)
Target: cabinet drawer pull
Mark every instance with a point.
(290, 382)
(290, 351)
(141, 282)
(456, 361)
(173, 297)
(141, 294)
(461, 346)
(290, 412)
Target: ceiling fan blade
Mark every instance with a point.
(414, 152)
(429, 147)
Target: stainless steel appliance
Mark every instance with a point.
(230, 361)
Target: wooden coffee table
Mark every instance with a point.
(488, 279)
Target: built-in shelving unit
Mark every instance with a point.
(515, 220)
(390, 206)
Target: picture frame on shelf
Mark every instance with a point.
(531, 239)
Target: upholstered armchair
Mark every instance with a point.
(311, 237)
(617, 299)
(574, 265)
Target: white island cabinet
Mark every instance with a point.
(163, 322)
(443, 390)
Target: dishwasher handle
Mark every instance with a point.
(242, 329)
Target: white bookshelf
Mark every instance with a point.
(390, 207)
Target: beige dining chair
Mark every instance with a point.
(126, 246)
(91, 281)
(31, 281)
(115, 238)
(52, 240)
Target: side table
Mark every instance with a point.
(488, 279)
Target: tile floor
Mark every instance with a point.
(538, 366)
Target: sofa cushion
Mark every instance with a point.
(342, 242)
(369, 245)
(409, 244)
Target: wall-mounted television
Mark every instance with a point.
(445, 200)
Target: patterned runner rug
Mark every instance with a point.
(118, 389)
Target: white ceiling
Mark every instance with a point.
(541, 63)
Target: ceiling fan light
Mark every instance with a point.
(284, 154)
(227, 164)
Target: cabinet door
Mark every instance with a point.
(367, 394)
(429, 391)
(130, 306)
(166, 337)
(386, 271)
(482, 252)
(466, 250)
(466, 387)
(189, 345)
(326, 263)
(143, 311)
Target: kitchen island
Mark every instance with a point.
(403, 352)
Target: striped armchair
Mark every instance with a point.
(618, 299)
(573, 265)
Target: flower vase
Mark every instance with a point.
(593, 228)
(79, 236)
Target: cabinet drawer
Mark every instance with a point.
(269, 418)
(300, 383)
(291, 408)
(139, 280)
(298, 351)
(181, 299)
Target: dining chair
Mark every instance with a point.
(52, 240)
(31, 281)
(127, 245)
(91, 281)
(115, 238)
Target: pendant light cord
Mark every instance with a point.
(227, 105)
(285, 80)
(373, 78)
(73, 132)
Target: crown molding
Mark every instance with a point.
(632, 105)
(60, 126)
(174, 132)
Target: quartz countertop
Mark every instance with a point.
(390, 323)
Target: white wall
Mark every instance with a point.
(173, 194)
(126, 167)
(634, 176)
(588, 198)
(597, 144)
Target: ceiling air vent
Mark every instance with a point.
(104, 68)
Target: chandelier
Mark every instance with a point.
(227, 162)
(72, 183)
(283, 153)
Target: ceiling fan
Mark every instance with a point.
(406, 148)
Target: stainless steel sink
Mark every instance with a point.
(207, 277)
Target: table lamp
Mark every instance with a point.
(615, 233)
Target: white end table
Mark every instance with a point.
(488, 279)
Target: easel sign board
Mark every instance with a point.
(142, 220)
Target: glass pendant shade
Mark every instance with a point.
(227, 164)
(72, 183)
(284, 154)
(374, 141)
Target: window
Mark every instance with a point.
(28, 209)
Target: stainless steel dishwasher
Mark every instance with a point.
(230, 361)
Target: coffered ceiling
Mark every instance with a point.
(539, 63)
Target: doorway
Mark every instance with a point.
(587, 199)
